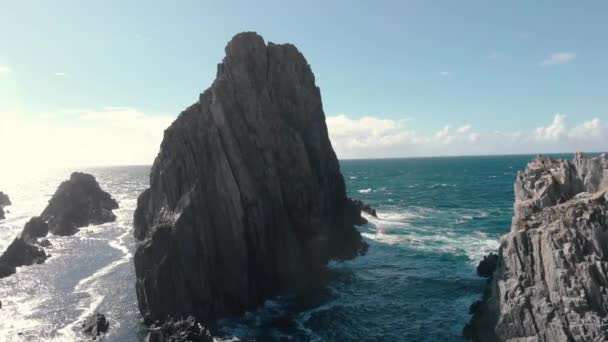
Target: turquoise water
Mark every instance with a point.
(437, 218)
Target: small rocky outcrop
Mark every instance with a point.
(78, 202)
(96, 325)
(487, 266)
(551, 278)
(21, 252)
(364, 207)
(4, 202)
(187, 330)
(246, 198)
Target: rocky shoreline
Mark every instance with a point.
(550, 281)
(78, 202)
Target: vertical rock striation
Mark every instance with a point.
(246, 197)
(551, 278)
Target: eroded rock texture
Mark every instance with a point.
(246, 197)
(78, 202)
(187, 330)
(551, 281)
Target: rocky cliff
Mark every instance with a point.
(551, 276)
(246, 198)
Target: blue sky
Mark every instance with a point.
(416, 65)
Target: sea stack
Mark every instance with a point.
(4, 202)
(551, 280)
(78, 202)
(246, 198)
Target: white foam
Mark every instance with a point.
(365, 191)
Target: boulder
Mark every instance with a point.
(246, 198)
(78, 202)
(364, 207)
(96, 325)
(551, 280)
(188, 330)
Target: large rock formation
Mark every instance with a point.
(4, 202)
(246, 199)
(21, 252)
(551, 280)
(78, 202)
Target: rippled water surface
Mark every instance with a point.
(437, 218)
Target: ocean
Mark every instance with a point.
(437, 218)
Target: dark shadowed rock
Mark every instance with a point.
(21, 252)
(96, 325)
(187, 330)
(487, 266)
(364, 207)
(551, 280)
(246, 197)
(78, 202)
(4, 202)
(36, 227)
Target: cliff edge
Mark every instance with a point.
(551, 277)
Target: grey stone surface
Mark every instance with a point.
(78, 202)
(4, 202)
(551, 282)
(246, 198)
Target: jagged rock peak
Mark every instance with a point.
(78, 202)
(551, 277)
(246, 198)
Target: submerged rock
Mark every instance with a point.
(4, 202)
(187, 330)
(551, 281)
(96, 325)
(246, 198)
(78, 202)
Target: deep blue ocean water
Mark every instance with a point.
(437, 218)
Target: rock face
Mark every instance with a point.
(246, 198)
(4, 202)
(188, 330)
(551, 280)
(78, 202)
(96, 325)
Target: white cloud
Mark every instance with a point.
(444, 73)
(373, 137)
(464, 129)
(60, 74)
(5, 69)
(558, 58)
(77, 137)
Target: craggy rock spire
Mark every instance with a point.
(551, 278)
(246, 198)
